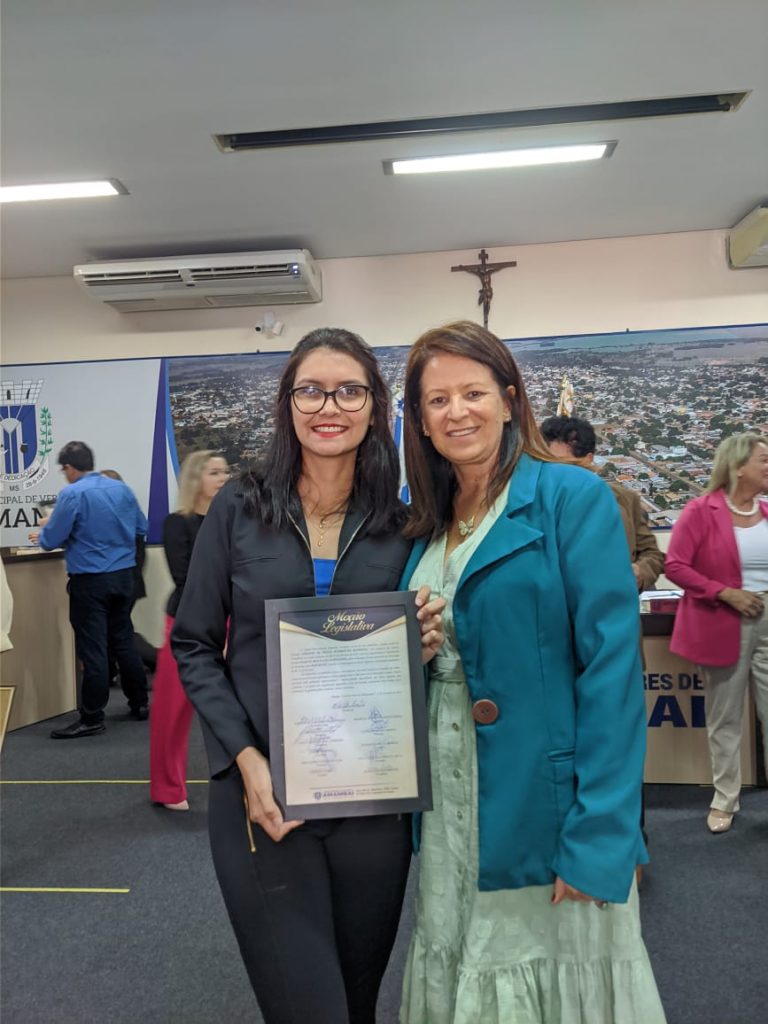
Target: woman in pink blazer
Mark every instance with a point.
(718, 554)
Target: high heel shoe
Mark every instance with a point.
(719, 821)
(183, 805)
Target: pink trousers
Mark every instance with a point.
(170, 720)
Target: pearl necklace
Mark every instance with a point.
(738, 511)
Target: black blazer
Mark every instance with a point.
(179, 535)
(238, 563)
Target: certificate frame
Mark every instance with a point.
(403, 733)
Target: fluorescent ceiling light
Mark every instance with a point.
(61, 190)
(503, 158)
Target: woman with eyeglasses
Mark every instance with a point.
(315, 906)
(202, 476)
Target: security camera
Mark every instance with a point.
(269, 325)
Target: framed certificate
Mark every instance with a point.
(347, 708)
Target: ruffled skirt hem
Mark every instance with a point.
(438, 990)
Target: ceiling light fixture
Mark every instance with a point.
(503, 158)
(375, 131)
(61, 190)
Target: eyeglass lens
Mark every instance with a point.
(349, 398)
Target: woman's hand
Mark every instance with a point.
(257, 783)
(431, 622)
(746, 604)
(563, 891)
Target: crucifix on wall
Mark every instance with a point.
(483, 270)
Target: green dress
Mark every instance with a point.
(504, 957)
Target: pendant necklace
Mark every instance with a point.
(321, 528)
(467, 526)
(323, 525)
(738, 512)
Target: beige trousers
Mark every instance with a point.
(725, 691)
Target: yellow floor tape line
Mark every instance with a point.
(26, 888)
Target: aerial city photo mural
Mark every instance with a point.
(661, 401)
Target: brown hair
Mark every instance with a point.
(431, 477)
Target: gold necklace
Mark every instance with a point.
(467, 526)
(324, 524)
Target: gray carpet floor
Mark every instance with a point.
(163, 952)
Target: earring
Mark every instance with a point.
(426, 432)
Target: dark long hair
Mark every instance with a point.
(270, 489)
(431, 477)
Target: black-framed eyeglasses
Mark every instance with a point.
(348, 398)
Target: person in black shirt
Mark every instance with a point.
(202, 476)
(314, 905)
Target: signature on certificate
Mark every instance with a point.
(377, 721)
(347, 704)
(316, 733)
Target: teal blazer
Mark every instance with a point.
(547, 619)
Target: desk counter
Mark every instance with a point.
(41, 665)
(674, 698)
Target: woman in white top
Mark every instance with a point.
(719, 555)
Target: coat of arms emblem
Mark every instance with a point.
(27, 436)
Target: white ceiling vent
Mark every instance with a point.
(747, 242)
(218, 280)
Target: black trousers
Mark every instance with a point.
(100, 612)
(315, 915)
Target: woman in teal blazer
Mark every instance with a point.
(526, 907)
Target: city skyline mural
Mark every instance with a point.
(660, 401)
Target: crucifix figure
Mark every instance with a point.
(483, 270)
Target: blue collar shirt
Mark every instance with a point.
(96, 520)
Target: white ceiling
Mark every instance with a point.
(134, 89)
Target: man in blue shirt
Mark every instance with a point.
(96, 520)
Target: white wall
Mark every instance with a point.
(641, 283)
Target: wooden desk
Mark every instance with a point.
(42, 663)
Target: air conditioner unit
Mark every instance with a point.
(204, 282)
(747, 242)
